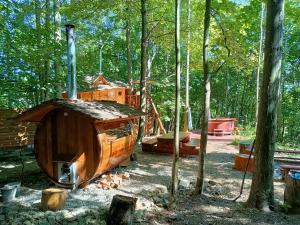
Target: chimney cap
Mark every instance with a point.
(70, 25)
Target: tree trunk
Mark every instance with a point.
(144, 59)
(262, 190)
(37, 9)
(187, 118)
(177, 102)
(206, 100)
(57, 47)
(121, 211)
(46, 74)
(129, 45)
(259, 58)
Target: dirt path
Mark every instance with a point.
(149, 179)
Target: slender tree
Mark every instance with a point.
(38, 64)
(187, 114)
(144, 59)
(262, 189)
(57, 46)
(206, 100)
(259, 57)
(177, 101)
(46, 74)
(129, 44)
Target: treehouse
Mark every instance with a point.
(77, 140)
(101, 89)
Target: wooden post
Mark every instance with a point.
(53, 198)
(121, 210)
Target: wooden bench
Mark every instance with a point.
(285, 169)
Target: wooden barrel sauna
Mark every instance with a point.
(77, 141)
(226, 125)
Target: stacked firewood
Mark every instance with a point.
(109, 181)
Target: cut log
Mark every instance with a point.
(121, 210)
(292, 194)
(53, 198)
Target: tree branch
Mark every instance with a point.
(214, 14)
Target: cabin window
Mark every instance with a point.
(120, 93)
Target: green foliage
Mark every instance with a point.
(25, 81)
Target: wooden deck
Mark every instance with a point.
(164, 144)
(212, 138)
(189, 143)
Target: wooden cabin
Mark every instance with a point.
(77, 141)
(101, 89)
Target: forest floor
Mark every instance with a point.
(149, 178)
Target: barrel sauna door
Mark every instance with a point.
(65, 150)
(59, 142)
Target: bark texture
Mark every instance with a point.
(206, 100)
(262, 190)
(57, 47)
(177, 101)
(187, 118)
(144, 59)
(259, 57)
(129, 44)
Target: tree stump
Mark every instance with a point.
(292, 193)
(53, 198)
(121, 210)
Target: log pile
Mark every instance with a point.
(14, 134)
(112, 180)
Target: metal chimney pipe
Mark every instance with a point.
(71, 62)
(100, 59)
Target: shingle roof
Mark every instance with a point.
(99, 110)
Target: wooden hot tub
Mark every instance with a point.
(221, 126)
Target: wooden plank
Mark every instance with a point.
(287, 160)
(288, 151)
